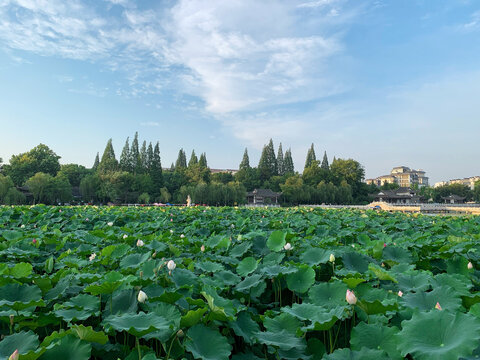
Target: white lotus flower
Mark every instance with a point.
(288, 246)
(125, 236)
(350, 297)
(171, 265)
(182, 236)
(110, 223)
(171, 231)
(142, 297)
(400, 293)
(202, 248)
(470, 265)
(23, 226)
(92, 257)
(331, 258)
(140, 243)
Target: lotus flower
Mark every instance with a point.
(15, 355)
(350, 297)
(125, 236)
(182, 236)
(438, 307)
(171, 265)
(92, 257)
(171, 231)
(110, 223)
(34, 241)
(202, 248)
(288, 246)
(140, 243)
(331, 258)
(384, 245)
(142, 297)
(470, 265)
(23, 226)
(400, 293)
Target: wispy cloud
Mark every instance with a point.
(150, 123)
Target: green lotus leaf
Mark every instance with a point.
(276, 241)
(353, 282)
(301, 280)
(240, 249)
(69, 347)
(315, 348)
(137, 324)
(328, 294)
(84, 301)
(380, 273)
(246, 284)
(460, 283)
(458, 265)
(227, 277)
(183, 277)
(21, 270)
(355, 261)
(363, 354)
(247, 266)
(418, 281)
(314, 256)
(12, 235)
(439, 335)
(192, 317)
(377, 337)
(397, 255)
(71, 314)
(134, 260)
(282, 339)
(221, 307)
(209, 266)
(446, 296)
(23, 341)
(282, 322)
(167, 311)
(207, 344)
(245, 356)
(245, 327)
(19, 297)
(89, 335)
(274, 258)
(320, 318)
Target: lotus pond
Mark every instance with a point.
(224, 283)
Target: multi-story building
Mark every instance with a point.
(403, 176)
(470, 182)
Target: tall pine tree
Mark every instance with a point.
(325, 164)
(135, 161)
(143, 157)
(310, 157)
(155, 170)
(202, 162)
(245, 164)
(125, 157)
(267, 166)
(181, 162)
(108, 162)
(288, 163)
(96, 162)
(149, 157)
(193, 160)
(280, 161)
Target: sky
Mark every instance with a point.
(386, 83)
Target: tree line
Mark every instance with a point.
(137, 176)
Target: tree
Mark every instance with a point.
(143, 157)
(5, 185)
(280, 164)
(125, 163)
(181, 163)
(39, 185)
(310, 157)
(150, 158)
(156, 169)
(74, 173)
(40, 159)
(245, 164)
(325, 164)
(135, 161)
(108, 162)
(193, 159)
(353, 173)
(288, 167)
(89, 187)
(268, 163)
(203, 160)
(96, 162)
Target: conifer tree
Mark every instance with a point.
(181, 162)
(150, 158)
(96, 162)
(135, 161)
(203, 161)
(325, 164)
(155, 169)
(193, 160)
(310, 157)
(272, 160)
(108, 162)
(280, 161)
(245, 164)
(288, 162)
(143, 157)
(125, 157)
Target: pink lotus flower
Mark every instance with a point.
(470, 265)
(202, 248)
(438, 307)
(34, 241)
(384, 245)
(15, 355)
(350, 297)
(400, 293)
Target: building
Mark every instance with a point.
(470, 182)
(454, 199)
(403, 176)
(398, 196)
(262, 197)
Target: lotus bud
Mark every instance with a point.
(331, 258)
(384, 245)
(180, 333)
(154, 254)
(202, 248)
(383, 265)
(437, 306)
(15, 355)
(12, 318)
(22, 226)
(470, 265)
(140, 243)
(171, 265)
(142, 297)
(34, 241)
(288, 246)
(141, 274)
(400, 293)
(110, 223)
(350, 297)
(92, 257)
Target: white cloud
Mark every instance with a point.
(150, 123)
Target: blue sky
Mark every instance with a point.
(384, 82)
